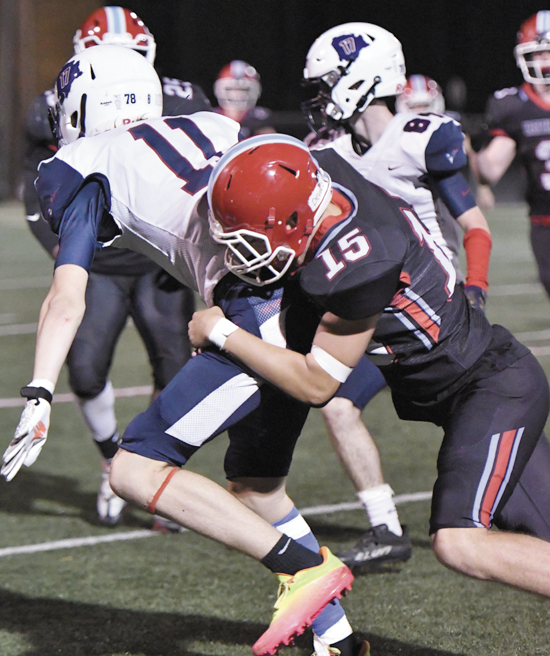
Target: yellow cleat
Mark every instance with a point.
(301, 598)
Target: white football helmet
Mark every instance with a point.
(421, 94)
(103, 88)
(352, 64)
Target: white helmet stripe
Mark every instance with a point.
(418, 83)
(543, 22)
(116, 21)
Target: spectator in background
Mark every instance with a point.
(237, 91)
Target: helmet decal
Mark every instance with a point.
(349, 46)
(66, 78)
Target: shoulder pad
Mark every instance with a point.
(445, 149)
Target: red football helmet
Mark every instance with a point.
(238, 86)
(115, 26)
(534, 38)
(265, 196)
(421, 94)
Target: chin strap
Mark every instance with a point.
(363, 99)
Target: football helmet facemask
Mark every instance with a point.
(533, 39)
(104, 88)
(351, 64)
(421, 94)
(115, 26)
(238, 86)
(266, 195)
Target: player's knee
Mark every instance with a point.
(460, 549)
(136, 478)
(340, 412)
(85, 383)
(267, 497)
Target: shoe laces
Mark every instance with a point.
(285, 581)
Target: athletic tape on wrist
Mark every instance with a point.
(331, 365)
(221, 332)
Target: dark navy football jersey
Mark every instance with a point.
(179, 97)
(381, 259)
(522, 115)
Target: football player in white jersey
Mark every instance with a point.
(125, 175)
(122, 283)
(356, 68)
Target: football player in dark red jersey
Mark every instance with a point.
(237, 90)
(376, 274)
(518, 119)
(355, 71)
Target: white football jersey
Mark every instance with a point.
(399, 163)
(157, 172)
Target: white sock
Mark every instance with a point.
(99, 413)
(380, 507)
(339, 631)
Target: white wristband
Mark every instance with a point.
(221, 332)
(42, 382)
(331, 365)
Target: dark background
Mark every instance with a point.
(470, 39)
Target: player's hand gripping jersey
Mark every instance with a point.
(414, 151)
(521, 114)
(381, 259)
(139, 186)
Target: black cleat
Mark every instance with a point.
(378, 546)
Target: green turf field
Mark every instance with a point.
(168, 595)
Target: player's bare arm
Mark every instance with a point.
(313, 378)
(493, 161)
(473, 218)
(60, 316)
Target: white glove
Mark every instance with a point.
(30, 434)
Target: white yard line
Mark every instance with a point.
(73, 543)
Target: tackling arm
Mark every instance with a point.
(311, 378)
